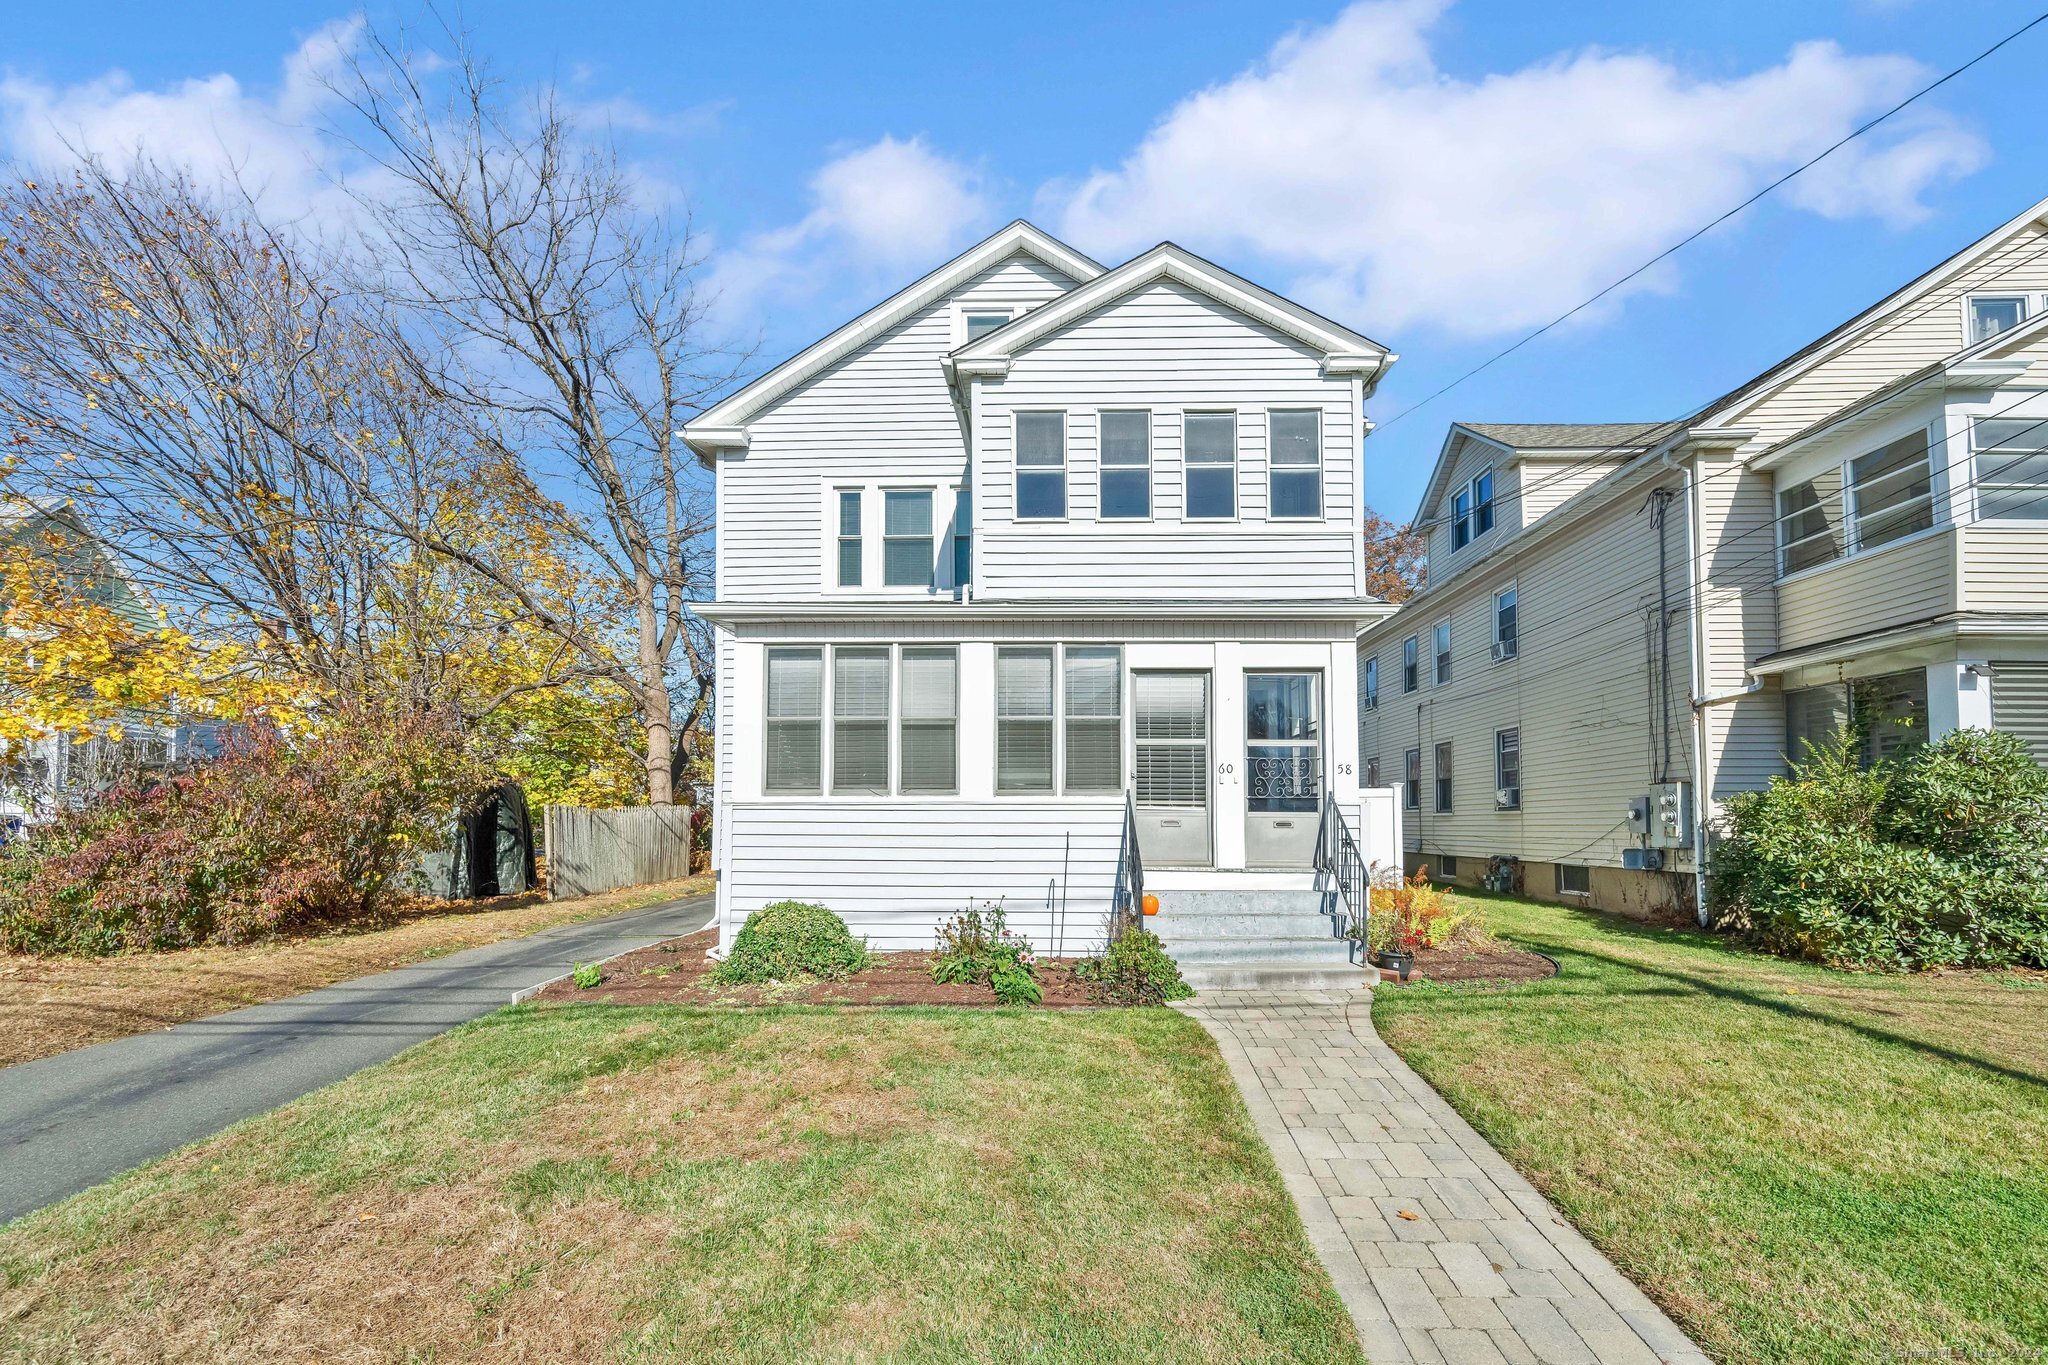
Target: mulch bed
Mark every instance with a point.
(1498, 965)
(678, 973)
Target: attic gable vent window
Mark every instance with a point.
(981, 324)
(1991, 315)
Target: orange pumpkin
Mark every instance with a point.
(1151, 904)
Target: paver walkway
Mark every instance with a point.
(1484, 1269)
(73, 1120)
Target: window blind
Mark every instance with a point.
(907, 539)
(1171, 730)
(860, 720)
(1094, 716)
(930, 724)
(795, 721)
(1024, 681)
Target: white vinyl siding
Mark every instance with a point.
(1210, 443)
(930, 724)
(1092, 700)
(1024, 719)
(860, 720)
(1295, 455)
(796, 714)
(1125, 489)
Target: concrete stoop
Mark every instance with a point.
(1257, 940)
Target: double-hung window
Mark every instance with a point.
(1209, 451)
(849, 537)
(907, 539)
(1093, 703)
(1024, 718)
(1810, 522)
(1472, 510)
(1507, 768)
(796, 715)
(1372, 771)
(963, 537)
(2011, 468)
(1891, 491)
(1411, 779)
(930, 719)
(1041, 466)
(860, 720)
(1506, 637)
(1410, 669)
(1442, 660)
(1371, 687)
(1443, 777)
(1992, 314)
(1295, 464)
(1125, 490)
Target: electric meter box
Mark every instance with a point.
(1671, 815)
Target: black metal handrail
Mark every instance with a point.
(1127, 902)
(1337, 856)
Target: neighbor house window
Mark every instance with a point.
(1295, 464)
(1126, 474)
(1574, 879)
(1041, 466)
(1372, 771)
(1372, 683)
(1472, 510)
(849, 537)
(981, 323)
(1507, 768)
(1810, 522)
(907, 540)
(1209, 449)
(1024, 719)
(1093, 702)
(1411, 779)
(1882, 716)
(1410, 649)
(963, 536)
(796, 700)
(1892, 491)
(2011, 468)
(930, 723)
(860, 720)
(1443, 653)
(1443, 777)
(1991, 315)
(1506, 632)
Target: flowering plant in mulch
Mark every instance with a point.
(978, 946)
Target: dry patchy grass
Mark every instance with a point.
(53, 1004)
(1802, 1164)
(661, 1183)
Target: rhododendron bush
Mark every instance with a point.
(279, 835)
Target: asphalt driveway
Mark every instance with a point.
(70, 1121)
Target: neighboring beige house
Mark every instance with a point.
(1619, 617)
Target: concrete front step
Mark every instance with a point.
(1192, 903)
(1277, 976)
(1292, 924)
(1259, 948)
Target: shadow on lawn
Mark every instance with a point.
(1740, 957)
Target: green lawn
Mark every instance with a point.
(1801, 1164)
(597, 1182)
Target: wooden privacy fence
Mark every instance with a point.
(600, 850)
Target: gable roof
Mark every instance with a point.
(720, 426)
(1344, 351)
(1621, 439)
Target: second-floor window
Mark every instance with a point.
(1810, 522)
(1472, 510)
(1992, 314)
(1443, 653)
(1041, 466)
(2011, 468)
(1506, 632)
(1210, 453)
(907, 539)
(1295, 464)
(1443, 777)
(1892, 491)
(1411, 650)
(1125, 490)
(1411, 779)
(849, 538)
(1507, 768)
(963, 536)
(1372, 684)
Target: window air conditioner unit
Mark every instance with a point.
(1503, 649)
(1507, 798)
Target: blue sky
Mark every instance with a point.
(1439, 175)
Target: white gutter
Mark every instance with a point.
(1748, 689)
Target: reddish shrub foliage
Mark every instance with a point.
(272, 838)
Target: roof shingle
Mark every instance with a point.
(1572, 435)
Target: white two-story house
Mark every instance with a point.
(1028, 542)
(1624, 625)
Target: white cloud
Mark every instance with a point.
(211, 124)
(878, 213)
(1402, 197)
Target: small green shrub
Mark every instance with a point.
(587, 976)
(789, 940)
(1938, 858)
(978, 947)
(1135, 970)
